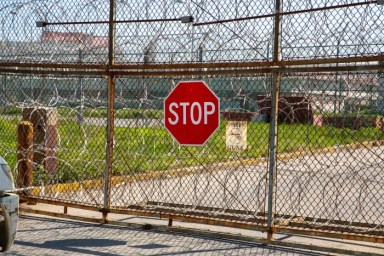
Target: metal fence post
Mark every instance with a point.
(274, 123)
(110, 113)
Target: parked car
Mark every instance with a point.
(9, 207)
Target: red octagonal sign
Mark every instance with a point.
(191, 113)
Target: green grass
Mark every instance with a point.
(81, 150)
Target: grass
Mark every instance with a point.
(81, 150)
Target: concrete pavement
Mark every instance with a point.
(39, 235)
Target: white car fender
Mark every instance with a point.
(6, 179)
(9, 207)
(9, 204)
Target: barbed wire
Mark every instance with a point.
(323, 33)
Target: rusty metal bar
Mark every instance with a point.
(197, 72)
(110, 113)
(285, 13)
(284, 63)
(108, 22)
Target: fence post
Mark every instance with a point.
(274, 122)
(110, 112)
(24, 154)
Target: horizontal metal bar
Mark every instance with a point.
(212, 65)
(195, 72)
(108, 22)
(284, 13)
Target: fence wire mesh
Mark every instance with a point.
(334, 179)
(92, 76)
(211, 179)
(68, 137)
(310, 30)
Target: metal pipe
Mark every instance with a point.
(285, 63)
(274, 123)
(110, 113)
(318, 70)
(108, 22)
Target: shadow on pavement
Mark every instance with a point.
(49, 236)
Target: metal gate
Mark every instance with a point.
(302, 82)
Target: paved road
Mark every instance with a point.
(344, 185)
(48, 236)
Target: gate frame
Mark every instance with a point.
(275, 68)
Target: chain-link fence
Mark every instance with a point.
(299, 146)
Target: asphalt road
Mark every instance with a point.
(49, 236)
(346, 185)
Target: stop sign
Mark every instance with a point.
(191, 113)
